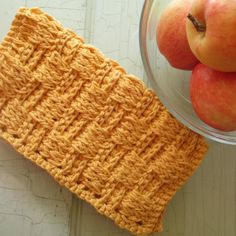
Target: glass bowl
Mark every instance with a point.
(171, 85)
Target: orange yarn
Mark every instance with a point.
(98, 131)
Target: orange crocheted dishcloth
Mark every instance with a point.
(97, 130)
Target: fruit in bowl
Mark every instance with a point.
(211, 33)
(203, 34)
(171, 35)
(213, 96)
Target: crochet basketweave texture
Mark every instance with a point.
(97, 130)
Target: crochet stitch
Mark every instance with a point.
(97, 130)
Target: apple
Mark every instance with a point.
(171, 35)
(213, 96)
(211, 33)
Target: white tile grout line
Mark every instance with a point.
(75, 217)
(89, 20)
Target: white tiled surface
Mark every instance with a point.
(30, 201)
(32, 204)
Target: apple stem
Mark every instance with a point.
(199, 26)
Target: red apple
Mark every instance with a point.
(171, 35)
(211, 33)
(213, 96)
